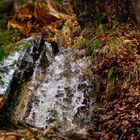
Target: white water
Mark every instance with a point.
(7, 68)
(60, 90)
(58, 97)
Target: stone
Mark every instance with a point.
(2, 102)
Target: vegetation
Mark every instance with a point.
(115, 51)
(115, 48)
(5, 37)
(8, 42)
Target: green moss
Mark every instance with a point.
(7, 45)
(15, 47)
(6, 36)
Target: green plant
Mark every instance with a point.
(6, 36)
(93, 46)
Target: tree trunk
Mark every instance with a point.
(95, 12)
(137, 11)
(85, 11)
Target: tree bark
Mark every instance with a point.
(95, 12)
(85, 11)
(137, 12)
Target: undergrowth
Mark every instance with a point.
(117, 53)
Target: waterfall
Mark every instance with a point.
(52, 87)
(8, 67)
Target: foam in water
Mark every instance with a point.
(59, 90)
(59, 97)
(7, 68)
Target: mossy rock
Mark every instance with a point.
(8, 43)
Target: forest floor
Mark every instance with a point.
(117, 46)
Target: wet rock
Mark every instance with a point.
(62, 89)
(55, 47)
(3, 102)
(49, 87)
(24, 71)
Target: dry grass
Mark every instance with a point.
(119, 69)
(113, 47)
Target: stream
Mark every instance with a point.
(46, 84)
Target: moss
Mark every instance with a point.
(6, 36)
(14, 47)
(7, 43)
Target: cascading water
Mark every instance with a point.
(59, 90)
(7, 68)
(61, 96)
